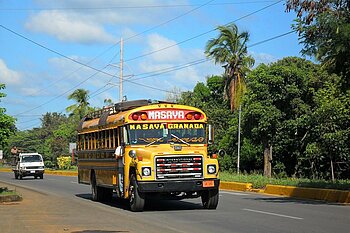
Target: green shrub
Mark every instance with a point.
(49, 164)
(64, 162)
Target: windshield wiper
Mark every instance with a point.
(180, 139)
(151, 143)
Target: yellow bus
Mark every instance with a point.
(140, 149)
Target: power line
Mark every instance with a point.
(101, 71)
(170, 69)
(127, 7)
(199, 61)
(62, 94)
(204, 33)
(73, 72)
(174, 68)
(272, 38)
(51, 50)
(168, 21)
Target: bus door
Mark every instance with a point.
(121, 160)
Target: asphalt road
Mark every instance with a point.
(68, 208)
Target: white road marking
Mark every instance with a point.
(235, 193)
(274, 214)
(74, 182)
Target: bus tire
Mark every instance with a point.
(95, 190)
(137, 199)
(107, 194)
(210, 198)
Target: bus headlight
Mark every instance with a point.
(146, 171)
(211, 168)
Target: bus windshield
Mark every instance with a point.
(163, 133)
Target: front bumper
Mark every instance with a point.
(31, 172)
(176, 186)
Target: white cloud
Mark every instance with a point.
(157, 42)
(8, 76)
(174, 60)
(31, 91)
(68, 27)
(92, 21)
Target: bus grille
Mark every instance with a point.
(179, 167)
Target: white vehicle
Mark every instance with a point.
(29, 164)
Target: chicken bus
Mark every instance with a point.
(142, 149)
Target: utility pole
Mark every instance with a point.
(239, 137)
(121, 71)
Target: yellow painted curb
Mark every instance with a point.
(5, 170)
(329, 195)
(236, 186)
(60, 173)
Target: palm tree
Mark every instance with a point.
(230, 50)
(81, 107)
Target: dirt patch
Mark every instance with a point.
(7, 195)
(10, 198)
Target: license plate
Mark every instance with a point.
(208, 183)
(32, 171)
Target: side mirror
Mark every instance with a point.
(210, 134)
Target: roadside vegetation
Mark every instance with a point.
(295, 113)
(259, 181)
(4, 191)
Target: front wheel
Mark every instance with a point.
(16, 176)
(137, 199)
(210, 198)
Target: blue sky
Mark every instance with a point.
(164, 43)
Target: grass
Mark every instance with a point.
(260, 181)
(4, 191)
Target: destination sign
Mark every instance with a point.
(167, 126)
(166, 115)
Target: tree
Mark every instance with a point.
(230, 50)
(108, 102)
(173, 95)
(278, 106)
(80, 108)
(324, 29)
(7, 123)
(328, 149)
(209, 97)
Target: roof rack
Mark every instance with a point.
(116, 108)
(127, 105)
